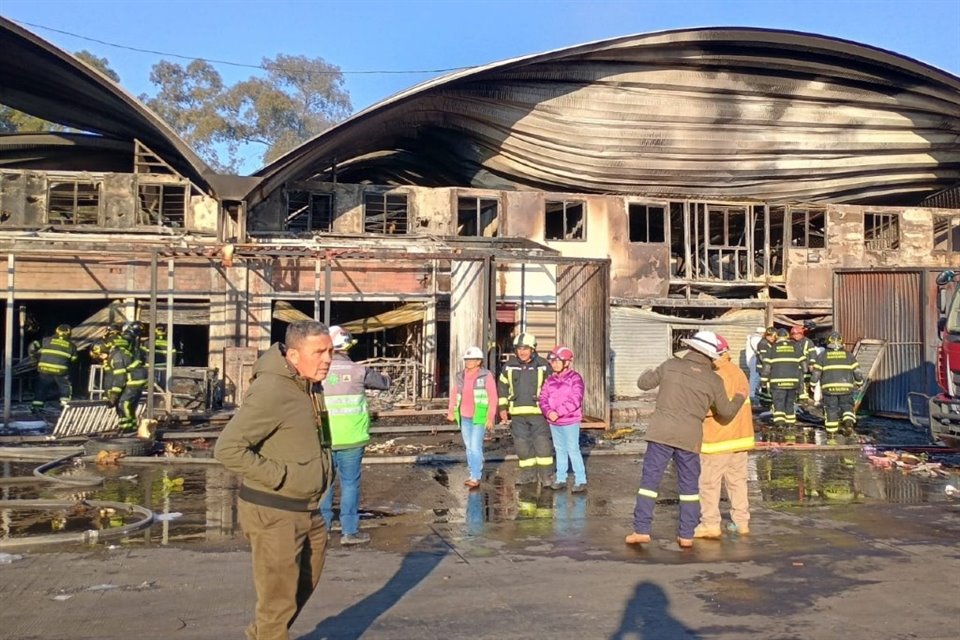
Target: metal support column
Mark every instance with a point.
(152, 339)
(8, 343)
(327, 291)
(167, 397)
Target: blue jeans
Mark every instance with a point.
(347, 464)
(566, 440)
(473, 441)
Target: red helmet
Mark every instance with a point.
(797, 330)
(722, 345)
(560, 352)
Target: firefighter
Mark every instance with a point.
(764, 347)
(54, 356)
(798, 334)
(838, 373)
(783, 370)
(346, 399)
(518, 389)
(160, 346)
(100, 357)
(128, 378)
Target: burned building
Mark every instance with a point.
(613, 196)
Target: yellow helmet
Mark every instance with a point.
(525, 340)
(63, 331)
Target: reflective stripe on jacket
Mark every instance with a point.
(520, 383)
(481, 399)
(56, 354)
(736, 435)
(837, 371)
(784, 364)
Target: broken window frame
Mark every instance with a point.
(318, 211)
(721, 246)
(76, 208)
(388, 216)
(947, 239)
(881, 231)
(811, 235)
(570, 230)
(639, 219)
(172, 210)
(481, 204)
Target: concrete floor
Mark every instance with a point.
(838, 549)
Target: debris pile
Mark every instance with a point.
(393, 448)
(909, 463)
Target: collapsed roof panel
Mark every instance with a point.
(728, 113)
(40, 79)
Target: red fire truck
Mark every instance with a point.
(943, 409)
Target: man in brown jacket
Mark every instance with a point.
(279, 442)
(688, 389)
(723, 455)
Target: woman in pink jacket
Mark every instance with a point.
(561, 401)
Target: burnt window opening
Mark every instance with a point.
(881, 231)
(677, 336)
(73, 202)
(678, 240)
(163, 205)
(308, 212)
(726, 243)
(564, 220)
(478, 217)
(946, 234)
(808, 228)
(385, 213)
(646, 223)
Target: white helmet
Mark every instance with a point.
(342, 340)
(705, 342)
(473, 353)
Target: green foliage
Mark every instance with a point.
(100, 64)
(298, 98)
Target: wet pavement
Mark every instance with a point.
(838, 547)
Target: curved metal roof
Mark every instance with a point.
(42, 80)
(720, 112)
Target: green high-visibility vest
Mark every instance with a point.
(481, 401)
(346, 401)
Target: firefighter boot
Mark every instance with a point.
(546, 478)
(848, 429)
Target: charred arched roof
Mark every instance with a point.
(720, 112)
(40, 79)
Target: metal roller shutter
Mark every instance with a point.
(639, 340)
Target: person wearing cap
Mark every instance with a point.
(783, 369)
(561, 401)
(688, 389)
(521, 379)
(473, 402)
(723, 454)
(345, 393)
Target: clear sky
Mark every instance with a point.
(379, 44)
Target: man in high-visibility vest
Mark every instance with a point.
(723, 455)
(346, 398)
(54, 356)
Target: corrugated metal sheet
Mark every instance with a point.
(643, 339)
(582, 320)
(718, 112)
(542, 322)
(887, 305)
(639, 340)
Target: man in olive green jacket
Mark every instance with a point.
(278, 441)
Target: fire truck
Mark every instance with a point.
(943, 409)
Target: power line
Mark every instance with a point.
(229, 62)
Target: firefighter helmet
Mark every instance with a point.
(98, 349)
(342, 339)
(834, 340)
(771, 332)
(722, 345)
(705, 342)
(782, 335)
(63, 331)
(160, 331)
(525, 340)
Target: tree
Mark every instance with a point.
(14, 121)
(298, 98)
